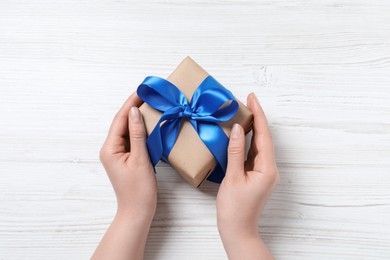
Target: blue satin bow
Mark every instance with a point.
(203, 112)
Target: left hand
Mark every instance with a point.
(125, 157)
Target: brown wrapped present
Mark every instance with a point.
(189, 156)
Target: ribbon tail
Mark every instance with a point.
(217, 175)
(170, 131)
(217, 142)
(159, 147)
(154, 144)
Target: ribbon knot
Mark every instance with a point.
(209, 105)
(187, 112)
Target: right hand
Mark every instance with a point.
(248, 184)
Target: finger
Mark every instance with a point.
(236, 152)
(261, 145)
(117, 135)
(260, 121)
(138, 149)
(252, 152)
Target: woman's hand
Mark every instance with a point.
(246, 188)
(125, 157)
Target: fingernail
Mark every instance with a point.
(135, 114)
(236, 131)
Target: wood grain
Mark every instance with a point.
(321, 70)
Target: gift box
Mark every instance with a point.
(191, 156)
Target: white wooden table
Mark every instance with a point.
(320, 68)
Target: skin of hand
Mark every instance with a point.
(126, 160)
(246, 188)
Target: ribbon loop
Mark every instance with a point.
(211, 103)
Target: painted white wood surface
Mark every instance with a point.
(321, 69)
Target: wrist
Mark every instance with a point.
(235, 236)
(235, 229)
(242, 241)
(133, 219)
(140, 211)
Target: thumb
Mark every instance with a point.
(236, 151)
(137, 134)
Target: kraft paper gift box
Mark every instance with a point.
(189, 156)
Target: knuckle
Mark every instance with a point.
(235, 149)
(273, 175)
(137, 133)
(103, 154)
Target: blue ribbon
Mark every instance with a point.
(204, 112)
